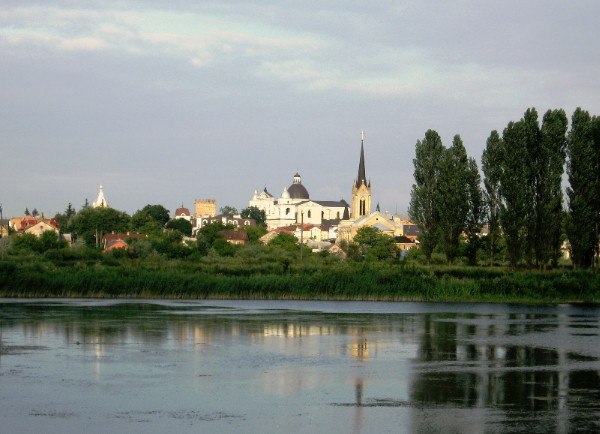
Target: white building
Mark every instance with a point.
(294, 206)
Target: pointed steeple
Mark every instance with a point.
(361, 189)
(101, 200)
(362, 177)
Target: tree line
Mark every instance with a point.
(521, 198)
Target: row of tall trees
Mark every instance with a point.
(522, 197)
(446, 199)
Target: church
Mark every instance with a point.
(294, 206)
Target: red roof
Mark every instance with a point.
(182, 211)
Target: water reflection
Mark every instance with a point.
(513, 371)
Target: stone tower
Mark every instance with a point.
(361, 189)
(205, 208)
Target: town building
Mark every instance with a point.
(294, 206)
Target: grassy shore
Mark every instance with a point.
(106, 277)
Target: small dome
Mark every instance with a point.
(285, 194)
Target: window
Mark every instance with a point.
(287, 211)
(308, 213)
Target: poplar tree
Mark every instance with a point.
(453, 196)
(423, 209)
(475, 211)
(491, 161)
(514, 191)
(549, 196)
(532, 181)
(584, 187)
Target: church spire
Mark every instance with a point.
(101, 200)
(361, 165)
(361, 190)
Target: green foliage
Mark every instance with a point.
(475, 214)
(423, 209)
(453, 196)
(258, 215)
(515, 194)
(583, 169)
(31, 243)
(229, 211)
(181, 225)
(491, 162)
(285, 241)
(254, 233)
(223, 247)
(210, 232)
(374, 245)
(150, 220)
(90, 224)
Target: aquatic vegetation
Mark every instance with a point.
(87, 274)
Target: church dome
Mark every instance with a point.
(285, 194)
(297, 190)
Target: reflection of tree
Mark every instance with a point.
(461, 366)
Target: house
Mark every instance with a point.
(183, 213)
(348, 228)
(40, 227)
(237, 221)
(405, 243)
(335, 249)
(236, 237)
(115, 244)
(109, 238)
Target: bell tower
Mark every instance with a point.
(361, 189)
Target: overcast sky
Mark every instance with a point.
(168, 102)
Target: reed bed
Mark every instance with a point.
(110, 278)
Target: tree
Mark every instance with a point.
(254, 232)
(258, 215)
(452, 197)
(475, 213)
(423, 209)
(229, 211)
(491, 164)
(47, 240)
(27, 213)
(549, 196)
(150, 220)
(531, 180)
(35, 212)
(515, 194)
(374, 244)
(224, 248)
(64, 220)
(208, 234)
(285, 241)
(181, 225)
(583, 172)
(91, 224)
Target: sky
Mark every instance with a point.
(169, 102)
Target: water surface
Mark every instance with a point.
(70, 366)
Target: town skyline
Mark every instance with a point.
(168, 104)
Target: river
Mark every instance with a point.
(157, 366)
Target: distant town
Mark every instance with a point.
(321, 225)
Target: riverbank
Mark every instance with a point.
(334, 281)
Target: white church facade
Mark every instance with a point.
(294, 206)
